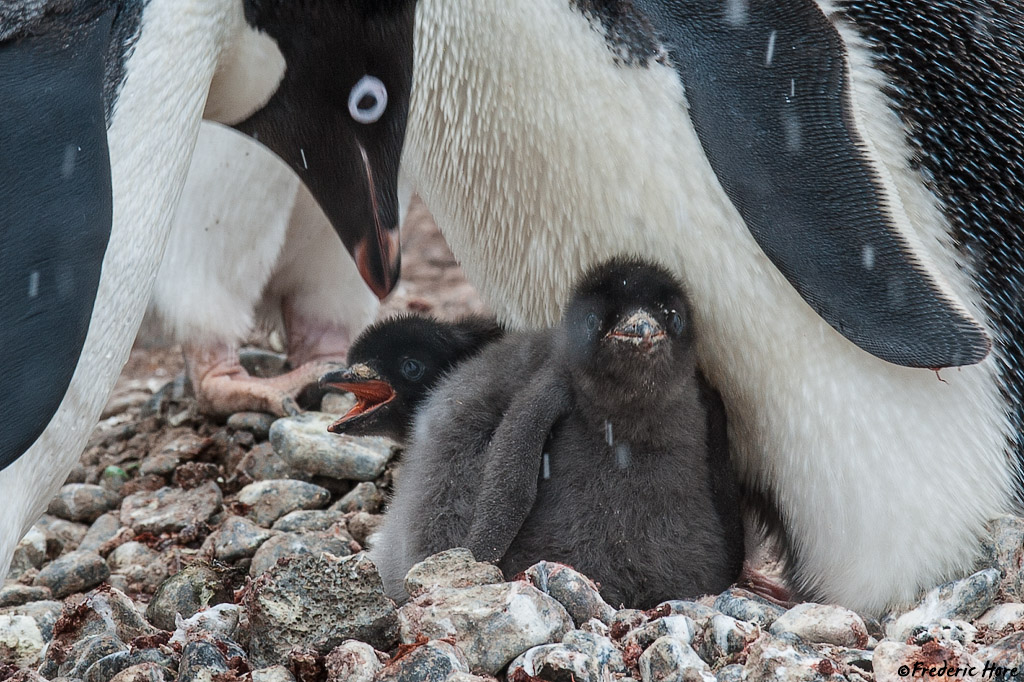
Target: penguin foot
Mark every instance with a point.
(764, 586)
(223, 387)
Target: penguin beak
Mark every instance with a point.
(639, 329)
(365, 383)
(378, 255)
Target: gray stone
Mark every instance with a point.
(256, 423)
(159, 465)
(434, 661)
(336, 542)
(29, 553)
(16, 594)
(262, 363)
(82, 502)
(598, 648)
(1002, 616)
(104, 611)
(626, 620)
(219, 621)
(45, 613)
(303, 520)
(84, 653)
(554, 661)
(450, 568)
(364, 497)
(573, 590)
(73, 572)
(141, 566)
(304, 442)
(201, 661)
(144, 672)
(964, 599)
(1005, 552)
(65, 535)
(677, 627)
(21, 641)
(596, 627)
(236, 538)
(491, 624)
(352, 661)
(273, 673)
(730, 673)
(890, 658)
(698, 613)
(825, 624)
(109, 667)
(362, 525)
(101, 531)
(170, 509)
(943, 630)
(743, 605)
(725, 636)
(193, 588)
(672, 660)
(270, 500)
(337, 403)
(1006, 653)
(261, 463)
(318, 602)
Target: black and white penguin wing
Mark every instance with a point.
(55, 217)
(512, 464)
(768, 91)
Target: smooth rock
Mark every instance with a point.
(573, 590)
(730, 673)
(193, 588)
(141, 566)
(336, 542)
(21, 641)
(725, 636)
(675, 627)
(201, 661)
(491, 624)
(236, 538)
(599, 648)
(16, 594)
(104, 611)
(45, 613)
(62, 535)
(262, 363)
(450, 568)
(74, 572)
(82, 502)
(362, 525)
(964, 599)
(824, 624)
(337, 403)
(364, 497)
(220, 621)
(303, 520)
(270, 500)
(1002, 616)
(698, 613)
(594, 626)
(304, 442)
(553, 662)
(318, 602)
(273, 673)
(890, 659)
(434, 661)
(626, 620)
(672, 660)
(101, 531)
(256, 423)
(1006, 653)
(170, 509)
(743, 605)
(110, 666)
(352, 661)
(159, 465)
(83, 653)
(29, 553)
(261, 463)
(469, 677)
(943, 630)
(144, 672)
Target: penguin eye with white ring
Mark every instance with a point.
(592, 322)
(412, 369)
(675, 323)
(368, 100)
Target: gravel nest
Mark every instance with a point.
(185, 549)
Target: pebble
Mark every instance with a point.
(336, 542)
(352, 661)
(1002, 616)
(262, 363)
(113, 479)
(201, 661)
(66, 535)
(170, 509)
(491, 624)
(272, 673)
(29, 553)
(256, 423)
(598, 648)
(337, 403)
(236, 538)
(787, 658)
(270, 500)
(362, 525)
(964, 599)
(433, 661)
(1005, 547)
(159, 465)
(74, 572)
(1006, 653)
(573, 590)
(698, 613)
(308, 520)
(725, 636)
(186, 592)
(45, 613)
(103, 612)
(16, 594)
(943, 630)
(102, 530)
(143, 567)
(304, 442)
(469, 677)
(451, 568)
(672, 660)
(221, 621)
(261, 463)
(730, 673)
(319, 602)
(83, 654)
(681, 628)
(743, 605)
(144, 672)
(82, 502)
(364, 497)
(824, 624)
(21, 641)
(890, 658)
(110, 666)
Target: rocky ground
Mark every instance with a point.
(182, 548)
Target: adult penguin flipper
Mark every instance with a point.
(512, 464)
(768, 90)
(55, 211)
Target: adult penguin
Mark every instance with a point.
(102, 104)
(839, 186)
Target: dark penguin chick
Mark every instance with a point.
(596, 443)
(395, 363)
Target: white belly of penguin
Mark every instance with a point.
(154, 127)
(539, 156)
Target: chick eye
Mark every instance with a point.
(592, 322)
(368, 100)
(675, 323)
(412, 369)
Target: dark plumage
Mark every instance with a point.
(595, 443)
(394, 364)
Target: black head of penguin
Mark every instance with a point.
(628, 323)
(395, 363)
(340, 112)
